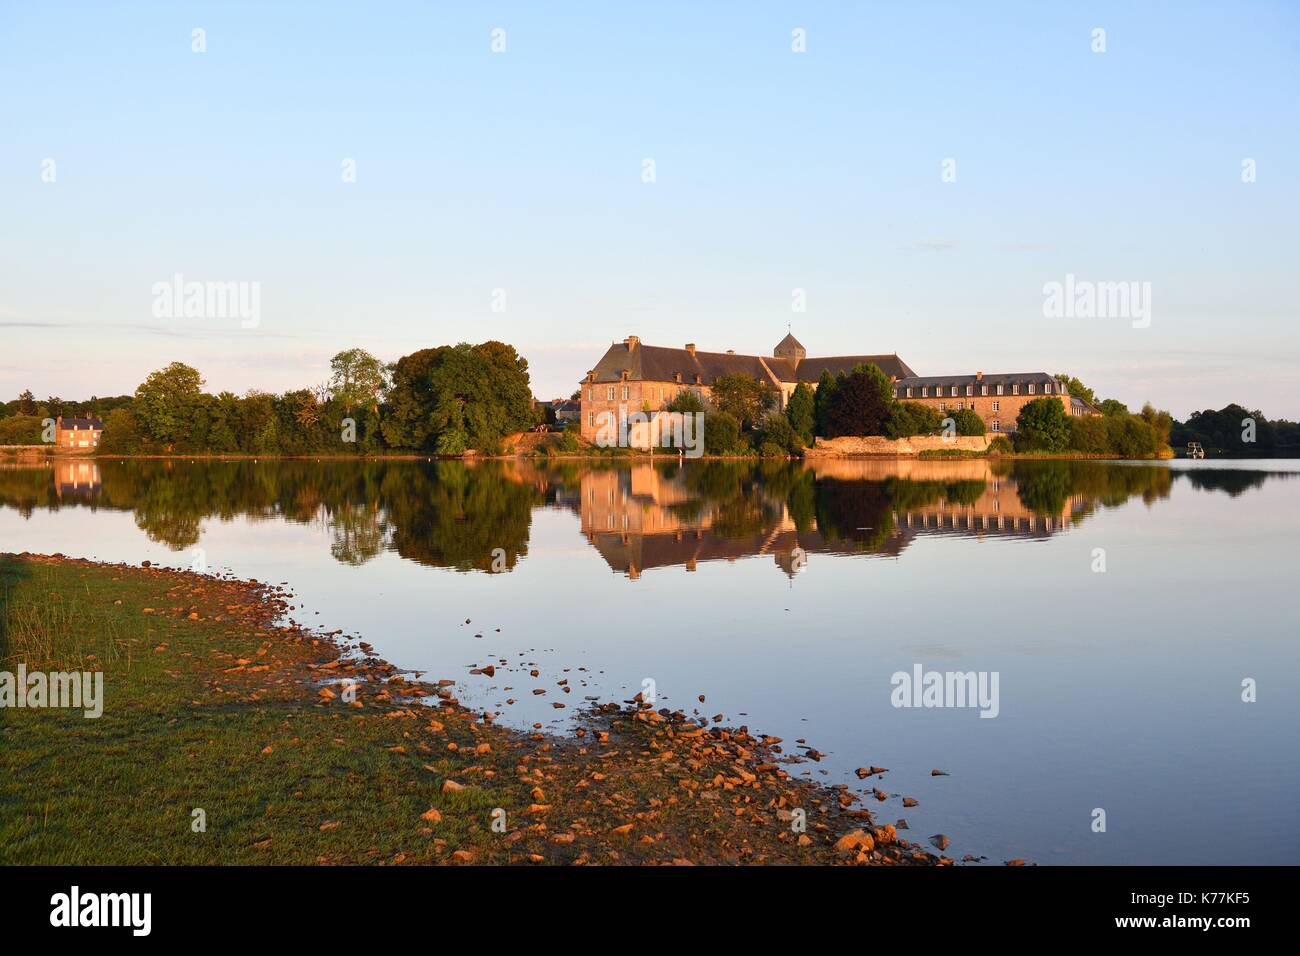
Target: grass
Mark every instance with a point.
(211, 707)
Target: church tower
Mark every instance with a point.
(790, 349)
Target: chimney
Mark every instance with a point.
(979, 376)
(690, 347)
(632, 342)
(731, 351)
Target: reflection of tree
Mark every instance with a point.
(1045, 486)
(1229, 480)
(358, 533)
(452, 516)
(858, 511)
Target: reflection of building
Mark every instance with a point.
(77, 432)
(648, 516)
(76, 478)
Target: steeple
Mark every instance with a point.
(790, 349)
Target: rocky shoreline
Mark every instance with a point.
(632, 785)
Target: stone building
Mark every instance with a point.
(631, 377)
(77, 432)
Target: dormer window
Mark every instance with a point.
(909, 391)
(984, 389)
(953, 391)
(999, 389)
(970, 390)
(677, 377)
(1015, 388)
(925, 391)
(1031, 388)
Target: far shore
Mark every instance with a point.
(39, 453)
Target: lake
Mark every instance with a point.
(1116, 609)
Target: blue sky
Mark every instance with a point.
(775, 171)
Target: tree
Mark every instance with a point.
(863, 403)
(1110, 406)
(480, 394)
(27, 403)
(408, 419)
(1042, 425)
(121, 433)
(164, 403)
(822, 402)
(1076, 388)
(801, 413)
(686, 402)
(356, 379)
(743, 397)
(1161, 421)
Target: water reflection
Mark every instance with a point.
(638, 516)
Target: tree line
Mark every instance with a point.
(445, 400)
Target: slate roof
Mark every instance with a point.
(654, 363)
(945, 382)
(86, 424)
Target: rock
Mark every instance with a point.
(853, 842)
(451, 786)
(885, 834)
(940, 841)
(431, 815)
(910, 802)
(939, 773)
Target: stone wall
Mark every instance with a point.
(879, 445)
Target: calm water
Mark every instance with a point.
(788, 596)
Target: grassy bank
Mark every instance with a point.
(210, 705)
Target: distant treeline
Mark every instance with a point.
(444, 400)
(1236, 429)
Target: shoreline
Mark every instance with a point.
(52, 455)
(237, 711)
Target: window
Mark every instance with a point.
(925, 389)
(1031, 388)
(970, 390)
(626, 393)
(943, 406)
(909, 391)
(953, 391)
(591, 419)
(984, 389)
(999, 389)
(609, 393)
(591, 394)
(996, 426)
(1015, 388)
(995, 406)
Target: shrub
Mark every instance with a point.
(1000, 445)
(776, 430)
(968, 422)
(1042, 425)
(1089, 435)
(721, 434)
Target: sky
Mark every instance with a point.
(559, 176)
